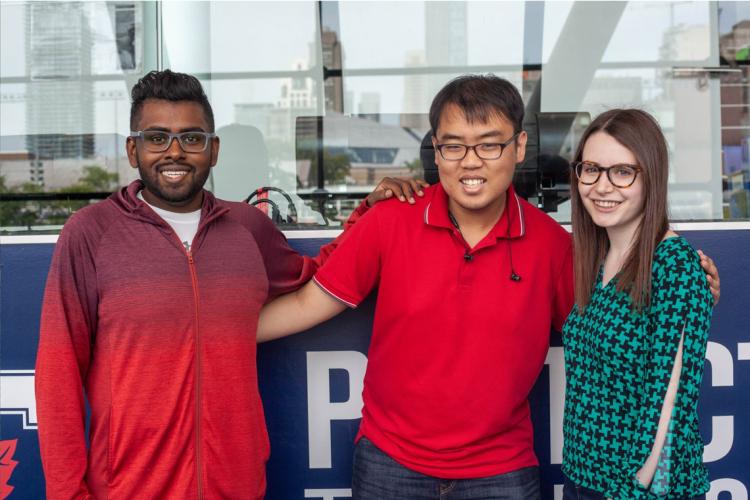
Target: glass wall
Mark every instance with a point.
(323, 99)
(264, 80)
(659, 70)
(65, 73)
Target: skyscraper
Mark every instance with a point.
(446, 41)
(416, 94)
(334, 92)
(60, 98)
(445, 33)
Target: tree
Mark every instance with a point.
(415, 168)
(19, 213)
(336, 167)
(95, 179)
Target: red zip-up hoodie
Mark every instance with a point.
(164, 343)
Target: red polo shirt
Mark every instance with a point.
(456, 344)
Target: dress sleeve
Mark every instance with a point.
(67, 334)
(680, 308)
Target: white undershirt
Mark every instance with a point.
(184, 224)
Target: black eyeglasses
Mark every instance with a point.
(620, 175)
(485, 150)
(158, 141)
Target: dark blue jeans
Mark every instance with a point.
(573, 491)
(377, 476)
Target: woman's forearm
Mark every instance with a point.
(646, 473)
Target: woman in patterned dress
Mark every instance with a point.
(635, 342)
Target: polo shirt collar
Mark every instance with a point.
(436, 214)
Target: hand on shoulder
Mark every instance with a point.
(402, 188)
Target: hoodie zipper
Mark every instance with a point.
(198, 376)
(198, 370)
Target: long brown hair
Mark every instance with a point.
(640, 133)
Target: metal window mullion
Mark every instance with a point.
(159, 37)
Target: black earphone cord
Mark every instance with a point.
(513, 276)
(467, 256)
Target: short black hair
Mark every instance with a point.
(169, 86)
(479, 97)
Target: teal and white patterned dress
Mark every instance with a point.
(618, 363)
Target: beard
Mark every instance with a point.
(174, 195)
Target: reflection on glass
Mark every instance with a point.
(125, 27)
(255, 112)
(734, 46)
(62, 129)
(644, 32)
(258, 138)
(611, 68)
(66, 69)
(237, 37)
(382, 35)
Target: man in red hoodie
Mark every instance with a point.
(151, 307)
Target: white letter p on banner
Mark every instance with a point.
(320, 410)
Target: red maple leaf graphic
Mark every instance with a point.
(7, 464)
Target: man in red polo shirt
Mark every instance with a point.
(469, 284)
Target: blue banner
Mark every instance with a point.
(311, 385)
